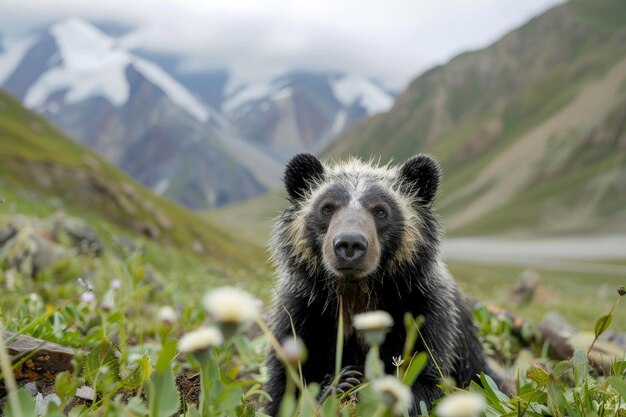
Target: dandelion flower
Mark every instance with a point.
(294, 350)
(461, 404)
(374, 325)
(373, 320)
(200, 340)
(397, 396)
(167, 315)
(230, 305)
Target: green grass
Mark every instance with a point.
(37, 157)
(581, 297)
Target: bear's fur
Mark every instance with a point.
(367, 234)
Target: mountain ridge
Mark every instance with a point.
(203, 148)
(484, 106)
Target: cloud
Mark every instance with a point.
(391, 41)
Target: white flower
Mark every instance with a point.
(87, 297)
(461, 404)
(167, 315)
(230, 305)
(200, 339)
(294, 350)
(116, 284)
(373, 320)
(394, 393)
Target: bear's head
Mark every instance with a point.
(355, 219)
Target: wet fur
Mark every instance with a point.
(410, 278)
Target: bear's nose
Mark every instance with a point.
(350, 246)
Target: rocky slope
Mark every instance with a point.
(529, 130)
(41, 170)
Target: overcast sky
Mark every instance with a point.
(391, 41)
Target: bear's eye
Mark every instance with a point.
(381, 213)
(327, 209)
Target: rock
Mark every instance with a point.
(557, 323)
(565, 338)
(31, 388)
(82, 236)
(45, 359)
(603, 352)
(529, 289)
(7, 233)
(29, 251)
(86, 393)
(147, 229)
(42, 403)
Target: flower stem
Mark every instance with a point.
(9, 379)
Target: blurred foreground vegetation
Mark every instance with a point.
(107, 305)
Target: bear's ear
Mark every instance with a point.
(421, 175)
(301, 172)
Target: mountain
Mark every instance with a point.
(43, 170)
(530, 130)
(302, 111)
(130, 111)
(202, 139)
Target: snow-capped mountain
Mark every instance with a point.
(199, 138)
(302, 111)
(129, 110)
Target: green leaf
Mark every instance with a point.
(411, 327)
(163, 395)
(556, 399)
(288, 405)
(492, 394)
(417, 364)
(25, 403)
(230, 398)
(619, 385)
(137, 406)
(423, 408)
(104, 356)
(168, 351)
(619, 368)
(66, 385)
(538, 374)
(602, 324)
(581, 367)
(139, 373)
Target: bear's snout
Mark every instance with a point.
(350, 247)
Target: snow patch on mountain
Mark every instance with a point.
(249, 93)
(350, 89)
(92, 64)
(282, 94)
(172, 88)
(12, 55)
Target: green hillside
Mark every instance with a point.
(529, 131)
(42, 171)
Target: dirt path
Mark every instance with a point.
(512, 170)
(584, 254)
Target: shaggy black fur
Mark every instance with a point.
(420, 287)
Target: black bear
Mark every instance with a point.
(367, 234)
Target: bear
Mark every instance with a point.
(366, 234)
